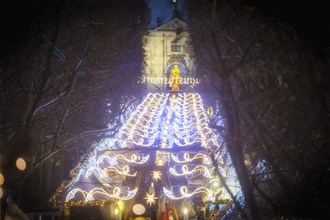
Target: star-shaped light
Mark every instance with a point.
(160, 162)
(150, 198)
(156, 175)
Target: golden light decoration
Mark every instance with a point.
(121, 205)
(185, 171)
(140, 129)
(20, 164)
(156, 175)
(2, 179)
(215, 184)
(185, 210)
(89, 195)
(187, 158)
(209, 111)
(110, 169)
(150, 198)
(186, 194)
(114, 160)
(159, 121)
(161, 158)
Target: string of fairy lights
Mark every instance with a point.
(168, 123)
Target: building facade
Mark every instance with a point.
(166, 47)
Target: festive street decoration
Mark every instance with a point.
(167, 140)
(156, 175)
(150, 198)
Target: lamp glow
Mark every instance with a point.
(20, 164)
(2, 179)
(185, 211)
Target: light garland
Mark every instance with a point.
(141, 127)
(102, 173)
(185, 194)
(89, 196)
(114, 160)
(185, 171)
(161, 120)
(187, 159)
(125, 171)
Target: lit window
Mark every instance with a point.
(176, 47)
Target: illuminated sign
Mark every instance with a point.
(163, 80)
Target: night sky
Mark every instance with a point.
(311, 19)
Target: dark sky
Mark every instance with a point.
(312, 19)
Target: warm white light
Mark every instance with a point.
(139, 209)
(121, 205)
(1, 193)
(185, 211)
(89, 195)
(150, 198)
(156, 175)
(20, 164)
(161, 120)
(214, 184)
(2, 179)
(116, 211)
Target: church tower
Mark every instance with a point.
(166, 47)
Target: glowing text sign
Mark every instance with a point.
(161, 80)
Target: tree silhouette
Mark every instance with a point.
(63, 79)
(273, 96)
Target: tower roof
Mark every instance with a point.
(173, 25)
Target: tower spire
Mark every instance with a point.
(175, 13)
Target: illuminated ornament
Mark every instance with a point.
(114, 160)
(161, 158)
(156, 175)
(139, 209)
(160, 162)
(1, 192)
(185, 194)
(185, 210)
(185, 171)
(160, 121)
(186, 158)
(125, 171)
(89, 196)
(150, 198)
(209, 111)
(141, 127)
(120, 205)
(20, 164)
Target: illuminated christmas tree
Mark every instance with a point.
(165, 156)
(164, 151)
